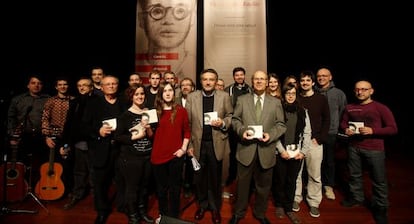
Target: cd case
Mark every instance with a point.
(292, 150)
(151, 115)
(354, 126)
(255, 131)
(210, 116)
(110, 122)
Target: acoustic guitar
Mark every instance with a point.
(16, 185)
(50, 185)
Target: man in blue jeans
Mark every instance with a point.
(367, 145)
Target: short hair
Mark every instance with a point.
(307, 73)
(169, 72)
(188, 79)
(36, 76)
(61, 78)
(238, 69)
(154, 72)
(208, 70)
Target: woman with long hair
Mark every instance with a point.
(171, 139)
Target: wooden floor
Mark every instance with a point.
(401, 187)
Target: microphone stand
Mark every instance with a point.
(30, 193)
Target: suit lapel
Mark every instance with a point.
(267, 102)
(217, 102)
(251, 107)
(199, 107)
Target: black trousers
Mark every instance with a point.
(168, 177)
(285, 174)
(102, 179)
(208, 178)
(135, 170)
(81, 174)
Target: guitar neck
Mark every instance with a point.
(16, 137)
(51, 159)
(13, 156)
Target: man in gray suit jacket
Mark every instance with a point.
(256, 156)
(209, 142)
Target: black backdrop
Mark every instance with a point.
(354, 39)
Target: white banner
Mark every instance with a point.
(235, 36)
(166, 37)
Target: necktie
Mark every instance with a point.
(258, 109)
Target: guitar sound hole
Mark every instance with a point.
(49, 188)
(12, 173)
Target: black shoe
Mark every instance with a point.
(73, 201)
(351, 203)
(216, 217)
(263, 220)
(234, 219)
(380, 215)
(101, 218)
(199, 215)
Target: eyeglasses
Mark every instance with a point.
(158, 12)
(110, 84)
(259, 79)
(84, 85)
(322, 76)
(361, 89)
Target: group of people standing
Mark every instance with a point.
(298, 121)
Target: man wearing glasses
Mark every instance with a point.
(366, 148)
(167, 25)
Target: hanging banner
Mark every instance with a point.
(166, 37)
(235, 36)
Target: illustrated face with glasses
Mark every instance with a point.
(166, 23)
(158, 12)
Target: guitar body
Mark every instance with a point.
(16, 186)
(50, 185)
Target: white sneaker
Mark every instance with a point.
(295, 206)
(329, 193)
(227, 194)
(314, 212)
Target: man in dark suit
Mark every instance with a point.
(256, 156)
(209, 142)
(99, 125)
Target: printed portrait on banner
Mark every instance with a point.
(166, 37)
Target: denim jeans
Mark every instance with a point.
(375, 163)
